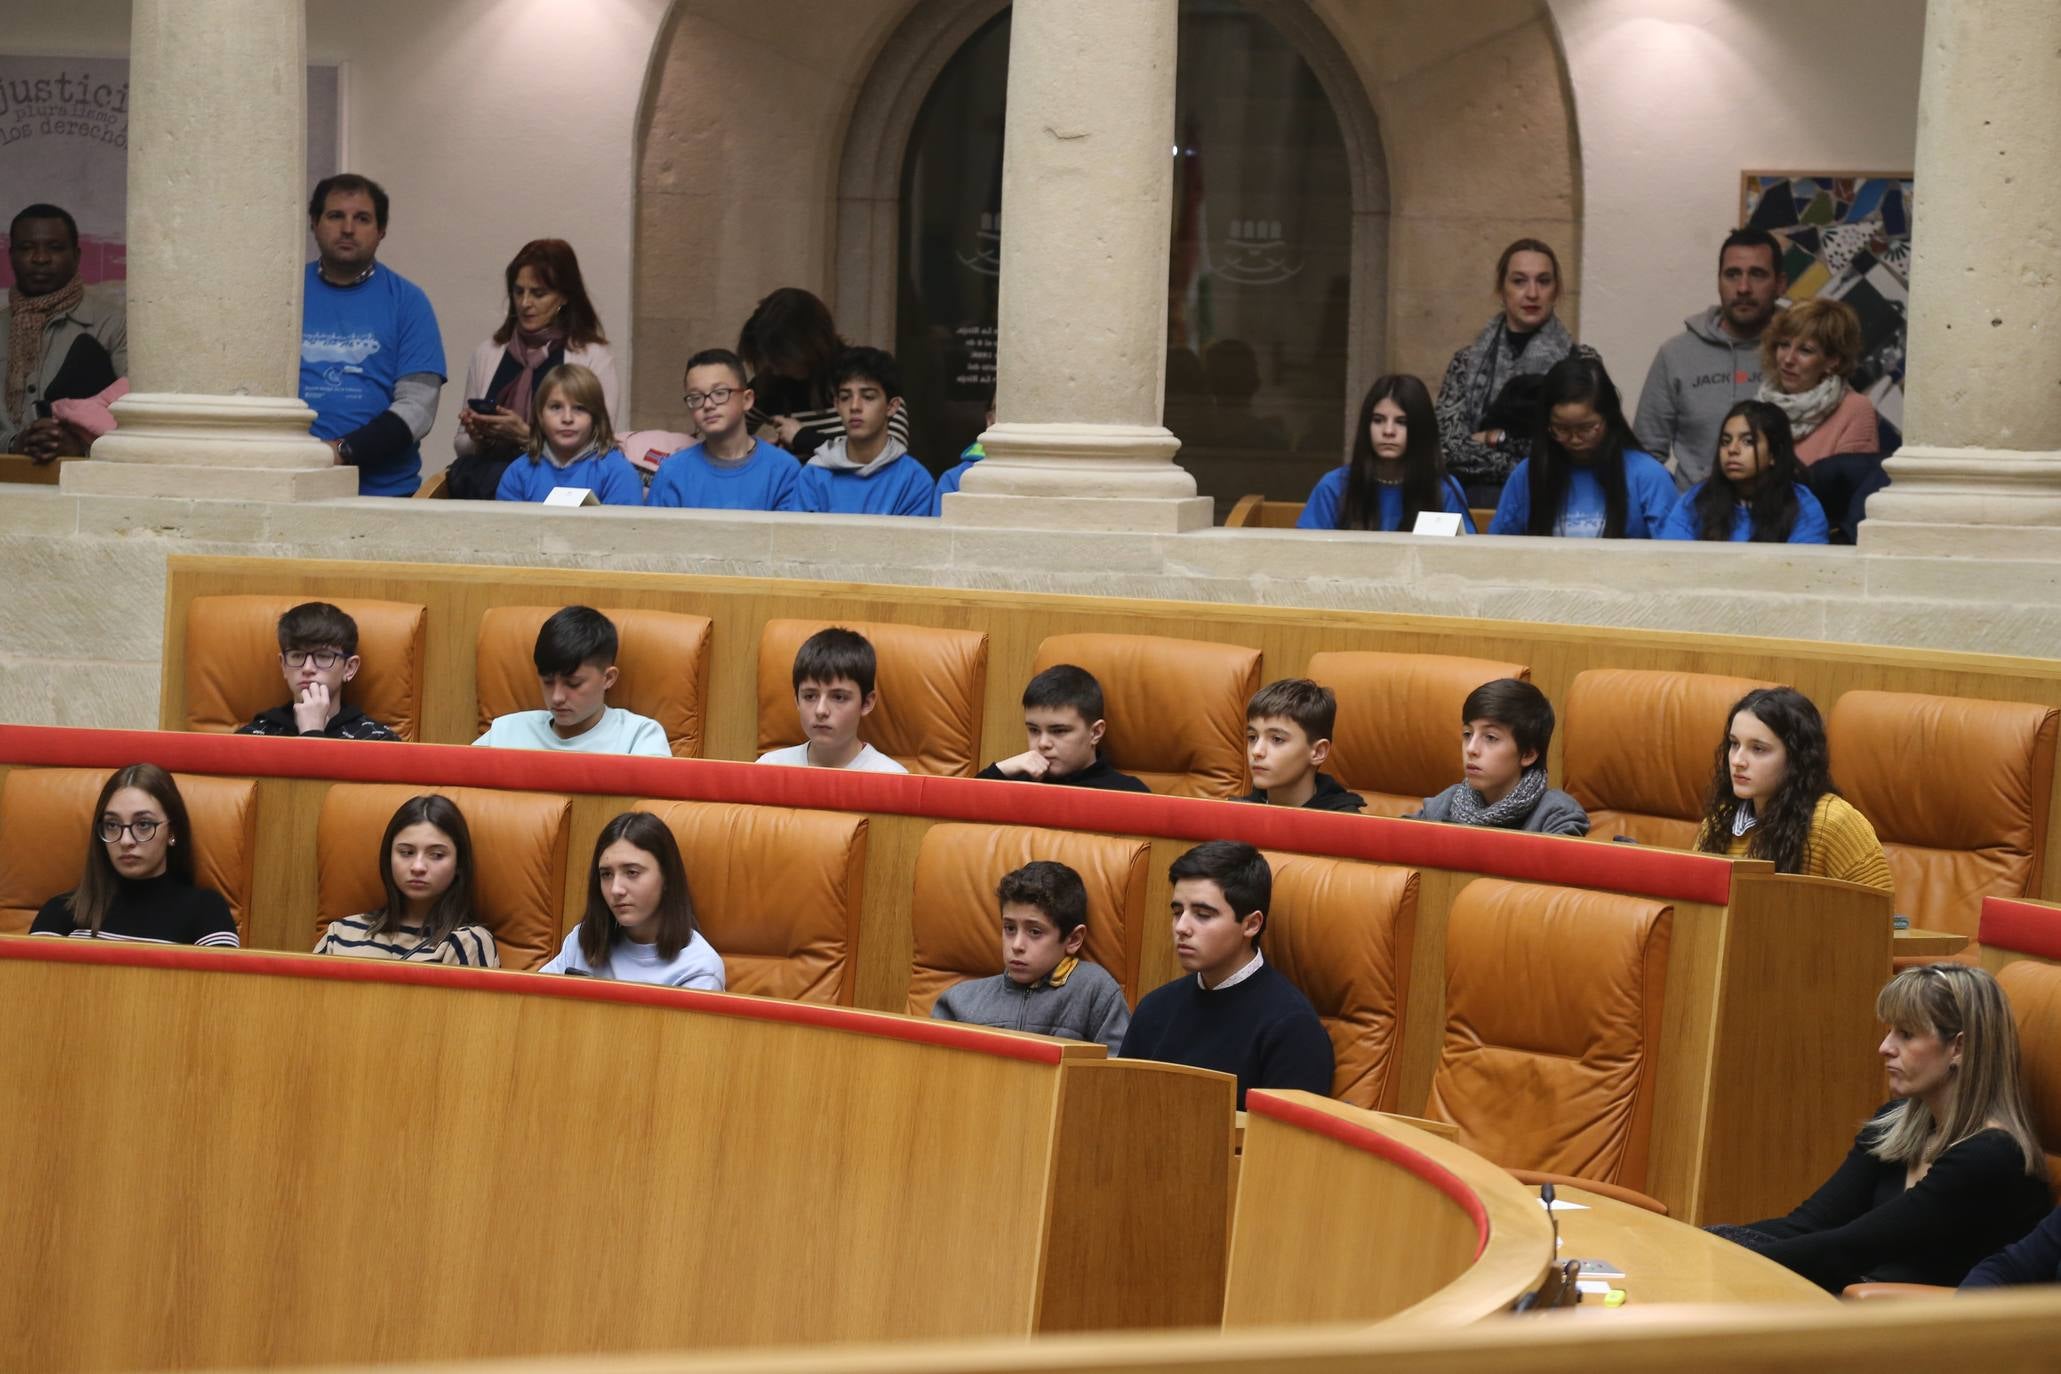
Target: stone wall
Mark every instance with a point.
(81, 627)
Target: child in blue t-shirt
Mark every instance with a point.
(1584, 479)
(728, 469)
(948, 480)
(1396, 471)
(868, 471)
(572, 444)
(1755, 491)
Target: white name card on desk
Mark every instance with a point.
(1436, 522)
(572, 496)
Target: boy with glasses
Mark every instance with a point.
(318, 652)
(728, 469)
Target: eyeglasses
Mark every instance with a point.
(1574, 434)
(325, 659)
(720, 396)
(142, 828)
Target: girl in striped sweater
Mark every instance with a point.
(425, 865)
(1771, 796)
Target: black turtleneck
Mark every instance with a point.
(160, 910)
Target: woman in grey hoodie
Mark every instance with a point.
(1505, 727)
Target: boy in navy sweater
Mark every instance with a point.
(1062, 717)
(1229, 1011)
(1288, 728)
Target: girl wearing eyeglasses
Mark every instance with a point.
(138, 883)
(1586, 477)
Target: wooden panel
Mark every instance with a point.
(19, 467)
(1109, 1114)
(1390, 1241)
(1016, 621)
(653, 1171)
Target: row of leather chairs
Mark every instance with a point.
(1958, 789)
(1554, 995)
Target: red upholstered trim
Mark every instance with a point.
(943, 1034)
(1636, 869)
(2024, 927)
(1259, 1102)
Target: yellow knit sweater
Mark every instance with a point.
(1842, 845)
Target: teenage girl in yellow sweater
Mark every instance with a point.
(1772, 795)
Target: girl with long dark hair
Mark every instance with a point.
(1586, 477)
(790, 347)
(1755, 490)
(138, 880)
(1396, 470)
(1771, 795)
(639, 924)
(425, 867)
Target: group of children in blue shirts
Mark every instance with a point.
(1584, 478)
(865, 471)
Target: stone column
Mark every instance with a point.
(1087, 206)
(1980, 472)
(217, 234)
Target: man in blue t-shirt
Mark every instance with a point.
(372, 361)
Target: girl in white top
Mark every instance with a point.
(639, 926)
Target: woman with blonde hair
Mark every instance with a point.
(1806, 356)
(1943, 1176)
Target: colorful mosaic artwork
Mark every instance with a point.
(1846, 238)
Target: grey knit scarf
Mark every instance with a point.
(1509, 813)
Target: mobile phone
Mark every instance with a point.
(482, 406)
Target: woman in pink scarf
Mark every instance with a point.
(1807, 353)
(550, 321)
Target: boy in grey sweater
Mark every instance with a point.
(1045, 986)
(1505, 727)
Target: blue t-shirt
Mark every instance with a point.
(356, 342)
(608, 475)
(1808, 528)
(1649, 500)
(949, 481)
(903, 487)
(767, 478)
(1327, 500)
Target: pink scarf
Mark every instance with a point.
(530, 350)
(26, 318)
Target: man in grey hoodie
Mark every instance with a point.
(1697, 375)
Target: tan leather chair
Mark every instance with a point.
(1398, 735)
(2034, 990)
(932, 684)
(957, 925)
(1176, 707)
(661, 660)
(778, 892)
(1342, 932)
(1958, 793)
(1553, 1007)
(46, 822)
(518, 853)
(1638, 749)
(233, 670)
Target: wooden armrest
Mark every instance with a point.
(1245, 515)
(1533, 1178)
(1444, 1130)
(1894, 1290)
(435, 488)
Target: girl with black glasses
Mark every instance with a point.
(138, 879)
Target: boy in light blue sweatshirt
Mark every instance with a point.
(1045, 986)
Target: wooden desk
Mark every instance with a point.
(1926, 944)
(1665, 1260)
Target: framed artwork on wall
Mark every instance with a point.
(1845, 236)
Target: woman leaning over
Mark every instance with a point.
(550, 321)
(1944, 1175)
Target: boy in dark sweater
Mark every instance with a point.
(1288, 727)
(318, 652)
(1505, 727)
(1044, 987)
(1062, 715)
(1229, 1011)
